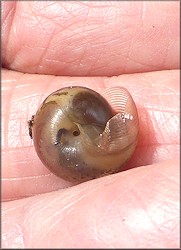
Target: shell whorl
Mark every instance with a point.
(79, 134)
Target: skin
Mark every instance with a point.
(135, 208)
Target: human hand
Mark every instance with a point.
(131, 44)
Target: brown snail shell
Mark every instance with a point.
(79, 135)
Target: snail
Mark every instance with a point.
(80, 135)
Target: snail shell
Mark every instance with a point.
(79, 135)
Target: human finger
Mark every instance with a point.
(22, 172)
(138, 208)
(90, 38)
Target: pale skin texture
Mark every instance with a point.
(111, 40)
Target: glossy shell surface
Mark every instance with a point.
(79, 135)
